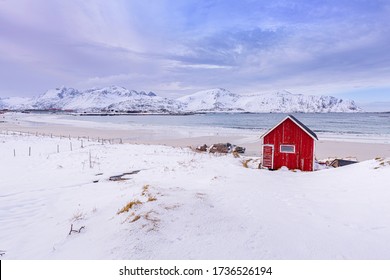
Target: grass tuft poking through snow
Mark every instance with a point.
(381, 162)
(245, 162)
(77, 216)
(146, 192)
(136, 218)
(129, 206)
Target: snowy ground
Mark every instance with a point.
(187, 205)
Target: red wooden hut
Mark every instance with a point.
(290, 143)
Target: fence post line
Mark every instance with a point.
(90, 159)
(29, 151)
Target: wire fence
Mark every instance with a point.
(26, 144)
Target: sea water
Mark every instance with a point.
(329, 123)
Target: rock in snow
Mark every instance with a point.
(119, 99)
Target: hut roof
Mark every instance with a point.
(298, 123)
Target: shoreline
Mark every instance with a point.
(183, 136)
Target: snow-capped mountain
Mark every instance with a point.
(16, 103)
(111, 98)
(282, 102)
(286, 102)
(218, 99)
(119, 99)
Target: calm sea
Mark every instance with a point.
(374, 124)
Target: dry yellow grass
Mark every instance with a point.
(136, 218)
(145, 190)
(245, 162)
(128, 206)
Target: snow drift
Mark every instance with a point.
(183, 205)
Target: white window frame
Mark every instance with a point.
(284, 152)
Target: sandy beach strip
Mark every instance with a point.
(184, 136)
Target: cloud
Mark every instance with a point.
(375, 106)
(305, 46)
(202, 66)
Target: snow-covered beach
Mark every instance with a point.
(360, 147)
(180, 204)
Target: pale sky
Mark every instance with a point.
(339, 48)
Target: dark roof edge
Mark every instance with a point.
(308, 130)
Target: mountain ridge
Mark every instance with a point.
(119, 99)
(280, 102)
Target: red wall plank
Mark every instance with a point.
(289, 133)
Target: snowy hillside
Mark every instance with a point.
(111, 98)
(119, 99)
(178, 204)
(283, 102)
(211, 100)
(15, 103)
(287, 102)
